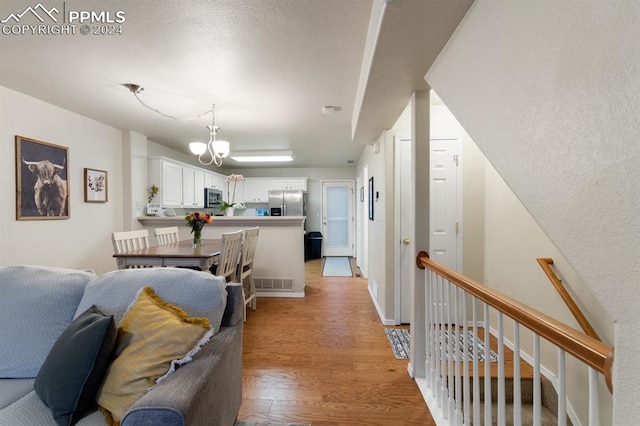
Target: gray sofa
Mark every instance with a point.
(37, 304)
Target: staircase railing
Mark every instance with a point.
(545, 264)
(454, 384)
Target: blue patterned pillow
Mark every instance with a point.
(199, 294)
(36, 306)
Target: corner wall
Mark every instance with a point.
(84, 240)
(546, 89)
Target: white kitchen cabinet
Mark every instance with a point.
(288, 183)
(188, 187)
(214, 180)
(256, 190)
(198, 180)
(170, 184)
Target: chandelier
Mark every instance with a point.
(217, 149)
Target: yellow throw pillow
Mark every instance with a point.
(153, 338)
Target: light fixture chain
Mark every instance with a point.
(171, 116)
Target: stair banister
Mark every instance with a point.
(589, 350)
(545, 263)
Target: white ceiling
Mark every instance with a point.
(268, 65)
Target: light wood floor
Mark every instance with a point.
(325, 360)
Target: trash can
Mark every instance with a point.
(313, 246)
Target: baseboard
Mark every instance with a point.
(544, 371)
(279, 294)
(384, 320)
(432, 403)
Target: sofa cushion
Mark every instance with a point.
(36, 306)
(153, 338)
(31, 411)
(12, 390)
(199, 294)
(72, 373)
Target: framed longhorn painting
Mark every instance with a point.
(42, 183)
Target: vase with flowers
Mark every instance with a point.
(229, 205)
(196, 222)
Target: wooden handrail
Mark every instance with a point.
(592, 352)
(545, 264)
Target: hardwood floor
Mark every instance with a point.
(325, 360)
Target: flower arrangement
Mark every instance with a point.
(153, 191)
(230, 203)
(196, 221)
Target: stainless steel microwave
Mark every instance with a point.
(212, 197)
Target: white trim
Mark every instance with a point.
(279, 294)
(396, 227)
(432, 403)
(384, 320)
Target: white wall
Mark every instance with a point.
(547, 90)
(83, 240)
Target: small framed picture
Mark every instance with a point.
(96, 189)
(371, 198)
(42, 186)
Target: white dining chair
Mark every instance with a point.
(167, 235)
(126, 241)
(245, 268)
(229, 256)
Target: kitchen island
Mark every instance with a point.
(278, 266)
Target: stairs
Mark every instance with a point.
(549, 409)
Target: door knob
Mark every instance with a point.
(406, 241)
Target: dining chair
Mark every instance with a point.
(127, 241)
(245, 268)
(229, 256)
(167, 235)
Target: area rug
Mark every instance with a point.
(399, 340)
(336, 267)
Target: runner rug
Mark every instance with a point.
(336, 267)
(399, 340)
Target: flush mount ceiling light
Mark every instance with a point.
(218, 150)
(262, 156)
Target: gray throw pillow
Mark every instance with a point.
(72, 373)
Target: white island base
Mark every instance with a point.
(278, 266)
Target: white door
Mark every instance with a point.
(446, 203)
(405, 247)
(337, 218)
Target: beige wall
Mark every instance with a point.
(84, 240)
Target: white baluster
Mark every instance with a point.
(458, 352)
(537, 393)
(517, 388)
(562, 389)
(502, 415)
(467, 394)
(476, 364)
(594, 401)
(487, 368)
(451, 356)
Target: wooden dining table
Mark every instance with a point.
(181, 253)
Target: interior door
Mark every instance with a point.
(445, 202)
(404, 227)
(337, 218)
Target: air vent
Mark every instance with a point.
(274, 284)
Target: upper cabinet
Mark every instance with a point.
(256, 190)
(180, 185)
(288, 183)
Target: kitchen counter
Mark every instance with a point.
(278, 266)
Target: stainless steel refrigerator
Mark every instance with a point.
(288, 202)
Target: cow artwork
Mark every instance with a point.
(50, 191)
(42, 182)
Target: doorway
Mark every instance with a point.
(337, 217)
(404, 213)
(446, 202)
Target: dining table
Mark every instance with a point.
(181, 253)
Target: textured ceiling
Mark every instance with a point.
(268, 65)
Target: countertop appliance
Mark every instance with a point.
(212, 197)
(288, 202)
